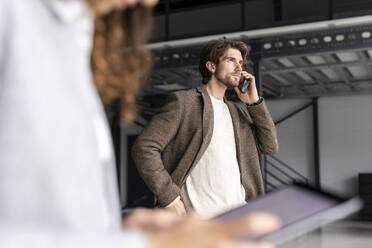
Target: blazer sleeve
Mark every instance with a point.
(148, 148)
(263, 129)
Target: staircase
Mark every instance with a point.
(277, 173)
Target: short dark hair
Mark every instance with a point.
(214, 50)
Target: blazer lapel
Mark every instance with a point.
(208, 122)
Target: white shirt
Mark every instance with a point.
(57, 174)
(79, 16)
(214, 185)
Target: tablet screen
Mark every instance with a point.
(293, 204)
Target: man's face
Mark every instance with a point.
(229, 68)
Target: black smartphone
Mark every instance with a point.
(300, 209)
(243, 84)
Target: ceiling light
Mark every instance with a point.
(267, 46)
(327, 39)
(292, 42)
(366, 35)
(302, 42)
(340, 37)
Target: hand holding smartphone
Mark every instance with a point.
(243, 84)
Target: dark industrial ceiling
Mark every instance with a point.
(302, 60)
(175, 19)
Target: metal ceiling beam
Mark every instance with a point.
(267, 87)
(317, 75)
(336, 82)
(291, 45)
(329, 65)
(340, 70)
(363, 56)
(333, 39)
(357, 37)
(267, 32)
(295, 95)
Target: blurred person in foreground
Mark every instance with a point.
(57, 177)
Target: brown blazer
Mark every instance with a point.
(175, 139)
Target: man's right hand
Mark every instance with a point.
(178, 208)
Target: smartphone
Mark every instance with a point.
(300, 209)
(243, 84)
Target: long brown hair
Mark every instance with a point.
(120, 62)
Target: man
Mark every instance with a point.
(201, 152)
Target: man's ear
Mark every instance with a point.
(211, 66)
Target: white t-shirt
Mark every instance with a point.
(214, 185)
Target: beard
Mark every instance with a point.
(229, 81)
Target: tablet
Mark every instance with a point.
(300, 209)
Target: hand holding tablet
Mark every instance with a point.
(300, 209)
